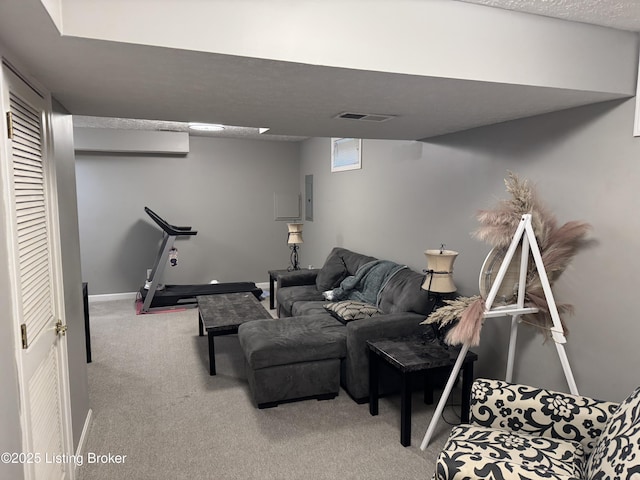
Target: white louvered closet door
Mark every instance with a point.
(36, 295)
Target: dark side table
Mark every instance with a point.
(411, 357)
(273, 278)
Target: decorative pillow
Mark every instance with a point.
(617, 453)
(349, 310)
(332, 273)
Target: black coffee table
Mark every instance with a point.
(412, 356)
(223, 313)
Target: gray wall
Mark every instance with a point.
(410, 196)
(224, 188)
(62, 125)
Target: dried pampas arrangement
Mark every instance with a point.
(558, 246)
(498, 225)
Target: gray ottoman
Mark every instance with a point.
(293, 358)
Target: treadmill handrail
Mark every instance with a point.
(167, 227)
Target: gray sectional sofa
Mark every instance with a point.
(308, 352)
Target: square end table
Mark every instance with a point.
(412, 356)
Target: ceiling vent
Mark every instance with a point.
(365, 117)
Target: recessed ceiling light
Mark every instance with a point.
(205, 127)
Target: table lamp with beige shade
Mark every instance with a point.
(294, 239)
(438, 282)
(439, 272)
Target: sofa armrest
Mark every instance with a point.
(298, 277)
(539, 412)
(356, 364)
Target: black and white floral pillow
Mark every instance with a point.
(617, 453)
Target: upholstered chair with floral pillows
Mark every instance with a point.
(521, 432)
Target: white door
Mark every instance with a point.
(36, 298)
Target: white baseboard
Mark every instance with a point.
(83, 437)
(105, 297)
(264, 286)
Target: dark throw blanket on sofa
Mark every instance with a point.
(368, 282)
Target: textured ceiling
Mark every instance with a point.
(620, 14)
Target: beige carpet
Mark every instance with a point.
(154, 401)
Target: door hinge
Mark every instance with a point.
(60, 328)
(23, 334)
(10, 125)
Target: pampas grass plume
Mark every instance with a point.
(467, 331)
(451, 312)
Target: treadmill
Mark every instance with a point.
(180, 295)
